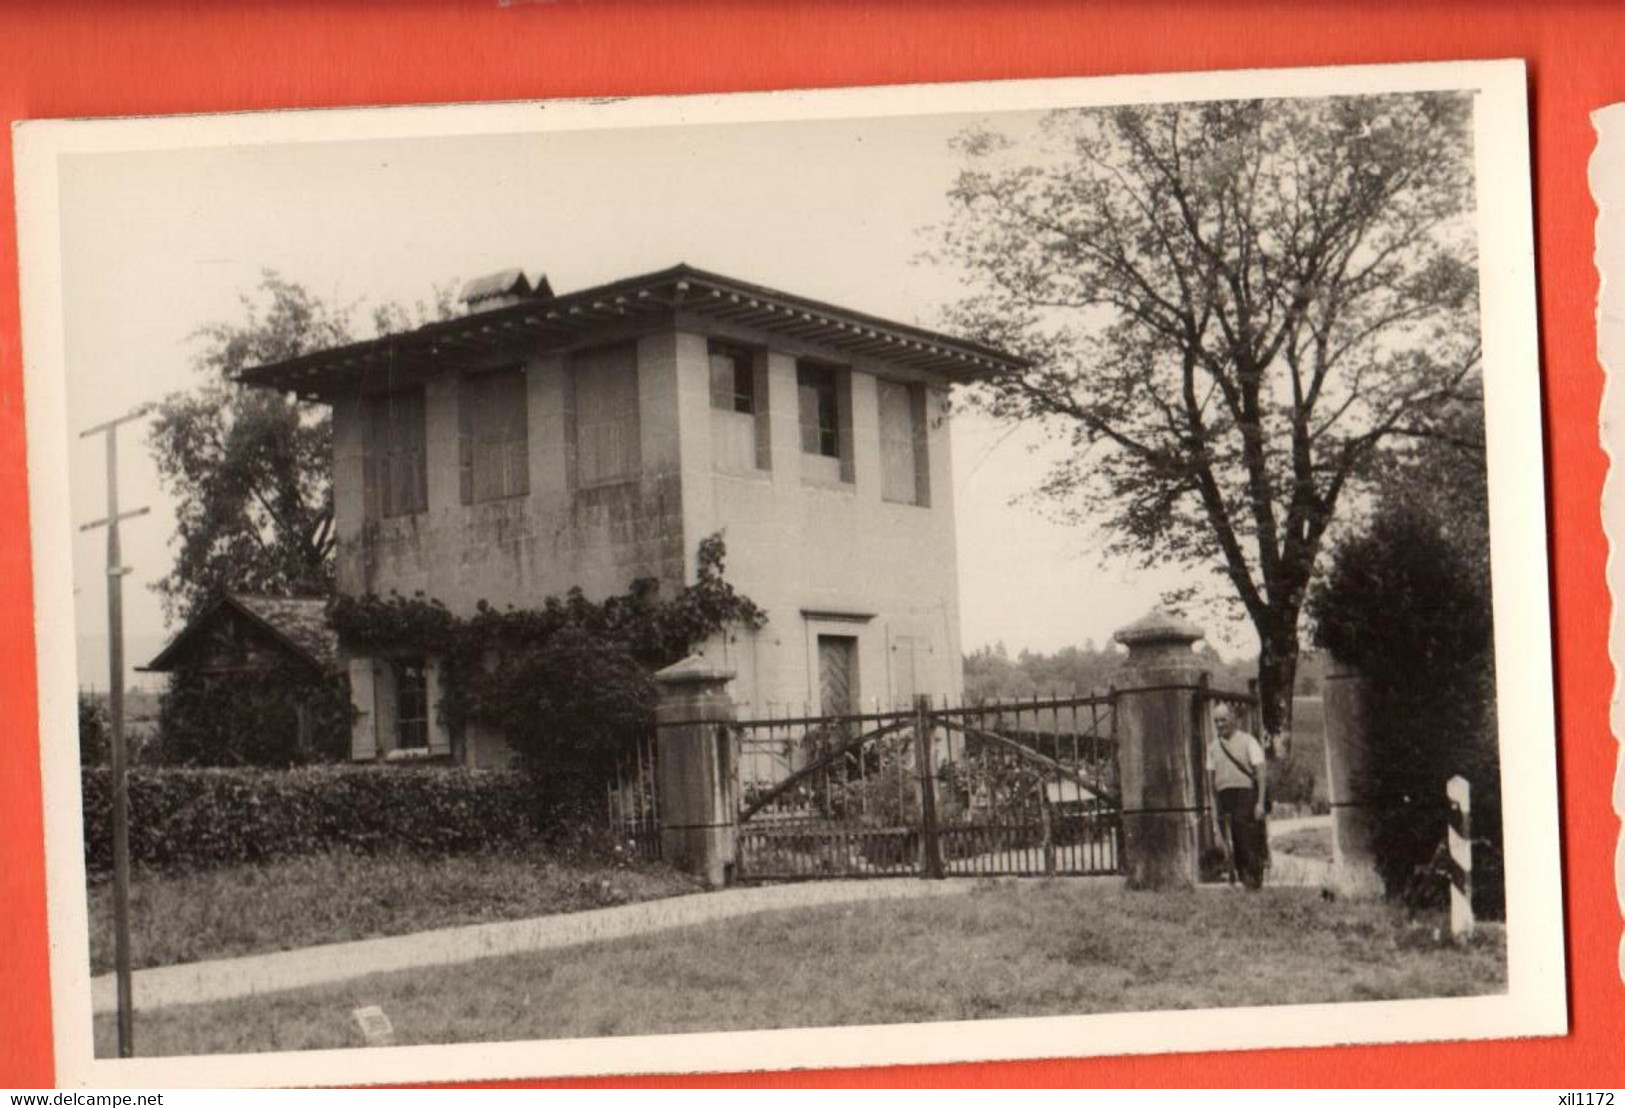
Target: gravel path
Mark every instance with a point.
(227, 978)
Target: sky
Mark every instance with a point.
(156, 244)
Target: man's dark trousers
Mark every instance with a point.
(1246, 833)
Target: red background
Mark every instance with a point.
(107, 59)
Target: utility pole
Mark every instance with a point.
(115, 707)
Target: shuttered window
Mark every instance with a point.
(733, 380)
(820, 410)
(824, 398)
(904, 459)
(494, 445)
(739, 419)
(396, 472)
(605, 409)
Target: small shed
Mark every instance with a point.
(272, 660)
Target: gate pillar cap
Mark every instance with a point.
(1159, 629)
(695, 669)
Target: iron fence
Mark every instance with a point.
(634, 803)
(1016, 787)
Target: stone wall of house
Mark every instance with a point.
(520, 550)
(883, 573)
(822, 555)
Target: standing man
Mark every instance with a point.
(1236, 781)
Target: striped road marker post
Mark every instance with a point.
(1461, 858)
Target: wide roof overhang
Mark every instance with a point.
(538, 324)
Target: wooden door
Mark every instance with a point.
(837, 675)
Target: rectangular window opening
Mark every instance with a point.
(739, 420)
(820, 410)
(733, 379)
(824, 396)
(411, 705)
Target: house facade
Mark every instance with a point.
(543, 442)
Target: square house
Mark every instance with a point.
(541, 442)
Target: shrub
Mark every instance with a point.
(202, 818)
(1412, 614)
(573, 706)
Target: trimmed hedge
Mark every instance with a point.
(205, 818)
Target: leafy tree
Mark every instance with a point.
(1232, 310)
(250, 469)
(1444, 478)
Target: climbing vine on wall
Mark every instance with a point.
(569, 682)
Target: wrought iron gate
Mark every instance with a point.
(1010, 788)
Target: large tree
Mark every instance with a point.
(251, 469)
(1233, 311)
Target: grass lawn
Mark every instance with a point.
(337, 897)
(1026, 949)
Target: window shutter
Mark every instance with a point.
(807, 398)
(922, 445)
(896, 442)
(371, 491)
(467, 397)
(504, 436)
(413, 474)
(372, 449)
(904, 468)
(516, 467)
(419, 470)
(385, 712)
(843, 421)
(722, 381)
(764, 426)
(363, 731)
(389, 481)
(606, 415)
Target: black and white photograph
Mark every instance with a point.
(1020, 569)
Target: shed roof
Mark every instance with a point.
(542, 319)
(298, 624)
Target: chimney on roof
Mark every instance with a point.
(501, 289)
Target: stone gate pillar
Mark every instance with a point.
(697, 778)
(1354, 866)
(1159, 752)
